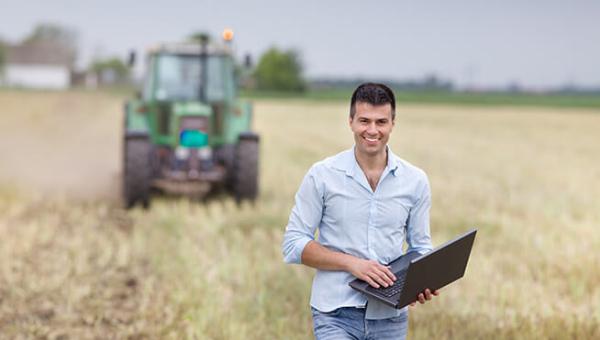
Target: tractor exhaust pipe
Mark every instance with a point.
(203, 66)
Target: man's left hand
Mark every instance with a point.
(426, 296)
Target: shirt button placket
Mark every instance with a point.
(371, 226)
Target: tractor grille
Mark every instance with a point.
(199, 123)
(193, 131)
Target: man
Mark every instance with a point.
(365, 202)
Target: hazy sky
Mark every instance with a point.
(485, 43)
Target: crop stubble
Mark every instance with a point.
(75, 264)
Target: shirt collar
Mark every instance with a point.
(348, 163)
(392, 161)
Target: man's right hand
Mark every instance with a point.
(372, 272)
(317, 256)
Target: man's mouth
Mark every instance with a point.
(371, 140)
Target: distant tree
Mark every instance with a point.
(52, 32)
(2, 56)
(110, 70)
(279, 71)
(55, 34)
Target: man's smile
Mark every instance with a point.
(371, 140)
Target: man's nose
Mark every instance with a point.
(372, 129)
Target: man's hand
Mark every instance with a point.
(372, 272)
(425, 296)
(317, 256)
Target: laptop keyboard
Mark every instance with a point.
(393, 289)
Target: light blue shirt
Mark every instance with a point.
(336, 198)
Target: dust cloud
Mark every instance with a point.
(61, 143)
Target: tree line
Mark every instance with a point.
(276, 70)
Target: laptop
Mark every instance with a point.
(415, 272)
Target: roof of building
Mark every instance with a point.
(40, 53)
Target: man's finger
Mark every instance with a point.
(436, 292)
(370, 282)
(412, 304)
(389, 277)
(389, 273)
(427, 294)
(421, 298)
(382, 278)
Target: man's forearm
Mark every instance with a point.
(316, 256)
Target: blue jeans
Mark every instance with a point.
(350, 323)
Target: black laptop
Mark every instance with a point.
(415, 272)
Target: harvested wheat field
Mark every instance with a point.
(74, 265)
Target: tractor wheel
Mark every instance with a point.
(137, 172)
(245, 170)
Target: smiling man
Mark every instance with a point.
(365, 202)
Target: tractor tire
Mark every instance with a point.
(245, 170)
(137, 172)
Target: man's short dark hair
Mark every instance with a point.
(374, 94)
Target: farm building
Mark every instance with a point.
(38, 64)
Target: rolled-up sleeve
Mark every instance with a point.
(418, 236)
(304, 218)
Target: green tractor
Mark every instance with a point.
(187, 133)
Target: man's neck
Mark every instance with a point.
(371, 163)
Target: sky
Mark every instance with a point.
(537, 44)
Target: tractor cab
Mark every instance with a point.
(184, 72)
(183, 80)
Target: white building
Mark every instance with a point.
(41, 65)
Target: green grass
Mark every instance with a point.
(447, 98)
(590, 101)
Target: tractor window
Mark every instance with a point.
(220, 79)
(215, 91)
(148, 81)
(178, 77)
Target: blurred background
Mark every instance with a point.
(498, 102)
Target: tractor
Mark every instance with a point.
(186, 132)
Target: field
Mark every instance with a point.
(74, 265)
(565, 100)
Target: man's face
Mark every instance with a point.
(371, 125)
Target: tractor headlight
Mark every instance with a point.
(205, 153)
(182, 153)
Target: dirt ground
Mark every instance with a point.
(61, 144)
(71, 264)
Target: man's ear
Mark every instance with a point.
(350, 121)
